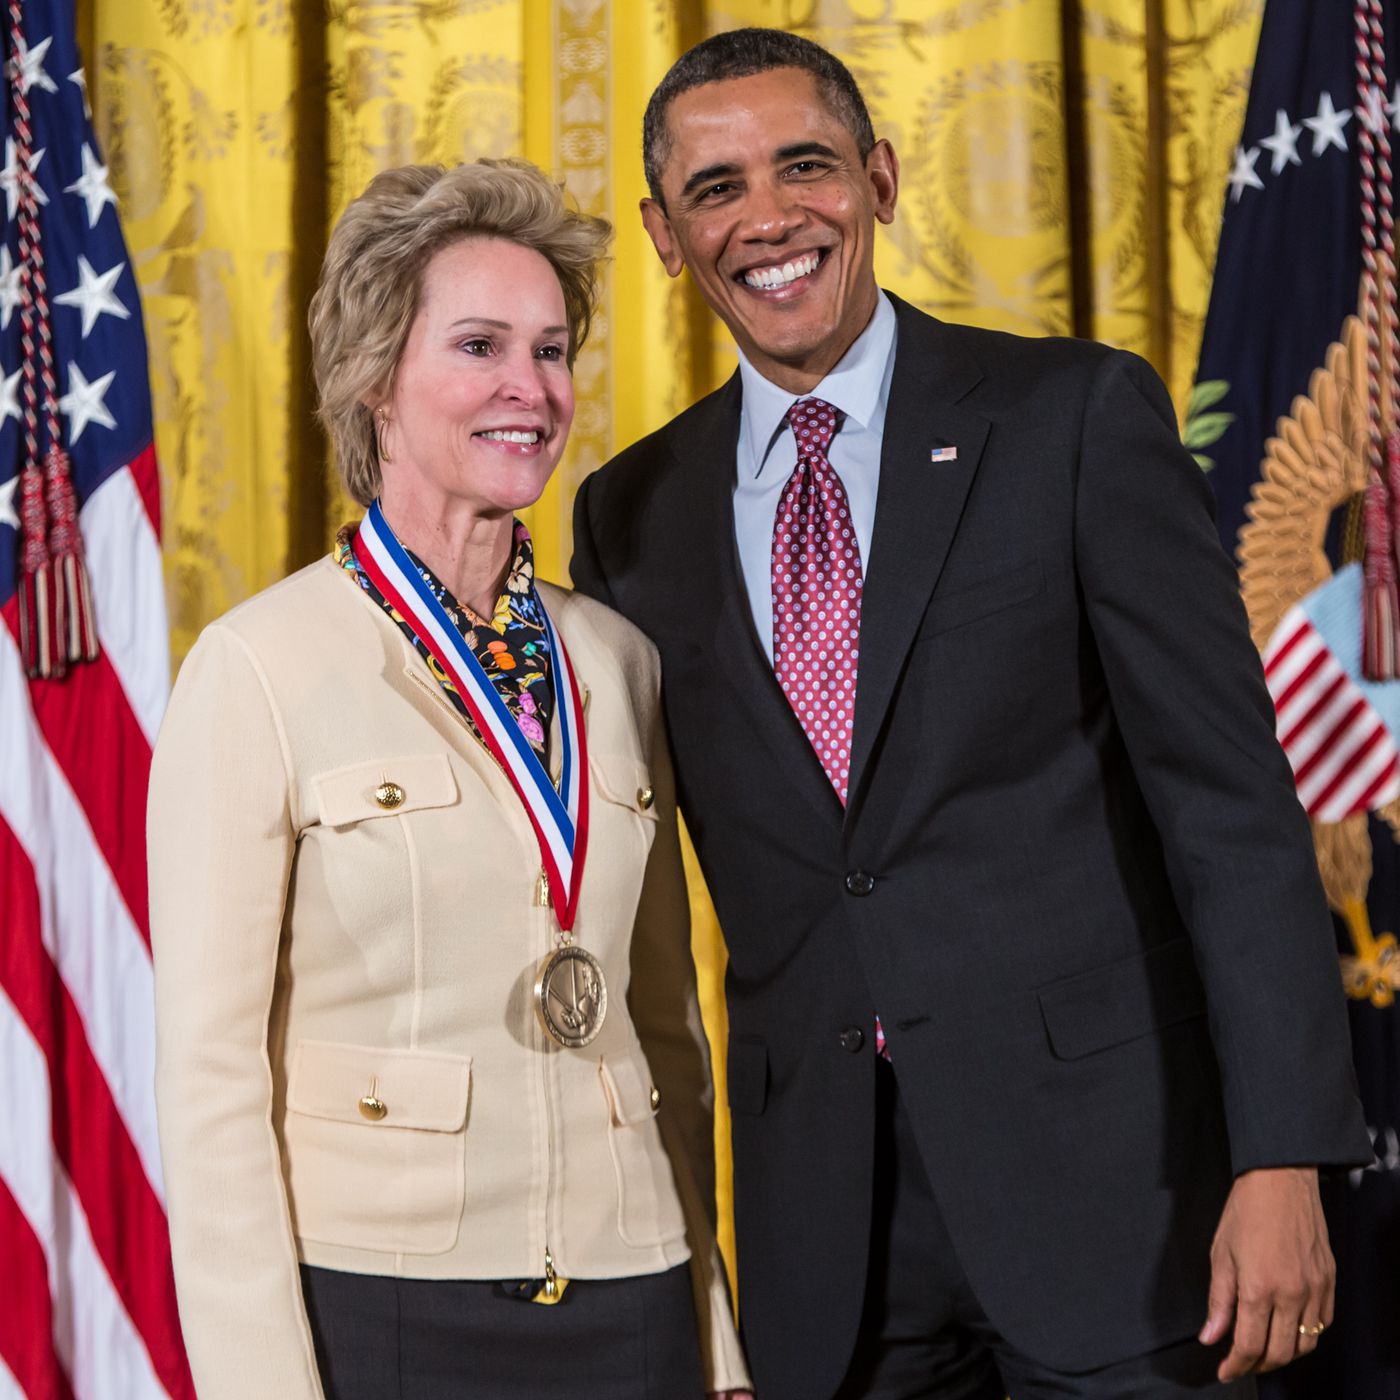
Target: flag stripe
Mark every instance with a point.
(26, 1320)
(9, 1386)
(88, 1133)
(1363, 776)
(93, 1336)
(83, 716)
(87, 930)
(145, 476)
(1337, 740)
(128, 583)
(1308, 664)
(1291, 631)
(1311, 704)
(1355, 749)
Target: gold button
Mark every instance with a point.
(372, 1108)
(388, 795)
(655, 1098)
(645, 797)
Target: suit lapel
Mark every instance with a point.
(718, 600)
(917, 512)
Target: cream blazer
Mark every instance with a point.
(313, 948)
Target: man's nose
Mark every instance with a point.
(771, 212)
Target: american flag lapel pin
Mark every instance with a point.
(944, 454)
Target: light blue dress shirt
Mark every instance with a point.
(859, 386)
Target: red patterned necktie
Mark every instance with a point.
(817, 586)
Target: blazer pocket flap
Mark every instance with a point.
(1116, 1003)
(384, 788)
(624, 780)
(631, 1096)
(979, 600)
(748, 1076)
(345, 1083)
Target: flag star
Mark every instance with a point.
(1283, 143)
(93, 295)
(1244, 175)
(1372, 111)
(91, 186)
(9, 395)
(11, 287)
(10, 177)
(28, 65)
(83, 402)
(7, 502)
(79, 80)
(1393, 107)
(1327, 126)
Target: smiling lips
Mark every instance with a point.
(766, 278)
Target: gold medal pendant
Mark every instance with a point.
(571, 996)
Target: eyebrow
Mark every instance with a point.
(728, 168)
(501, 325)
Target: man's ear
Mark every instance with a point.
(658, 227)
(882, 170)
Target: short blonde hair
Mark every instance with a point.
(372, 277)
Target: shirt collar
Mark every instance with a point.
(855, 385)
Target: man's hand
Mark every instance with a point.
(1272, 1271)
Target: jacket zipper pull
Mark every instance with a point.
(542, 890)
(554, 1286)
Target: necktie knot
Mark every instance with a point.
(814, 423)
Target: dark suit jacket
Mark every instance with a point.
(1094, 929)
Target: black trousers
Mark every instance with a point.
(383, 1338)
(923, 1335)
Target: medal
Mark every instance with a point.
(571, 996)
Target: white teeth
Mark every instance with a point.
(503, 436)
(780, 276)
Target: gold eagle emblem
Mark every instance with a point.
(1315, 464)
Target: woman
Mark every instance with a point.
(426, 1013)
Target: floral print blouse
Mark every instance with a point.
(512, 645)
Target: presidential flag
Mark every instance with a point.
(87, 1306)
(1293, 419)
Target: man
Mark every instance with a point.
(978, 761)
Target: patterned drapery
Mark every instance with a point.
(1063, 169)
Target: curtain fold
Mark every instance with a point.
(1064, 165)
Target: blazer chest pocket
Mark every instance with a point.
(621, 780)
(387, 787)
(375, 1143)
(648, 1208)
(982, 599)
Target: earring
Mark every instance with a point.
(381, 424)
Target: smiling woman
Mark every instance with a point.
(420, 923)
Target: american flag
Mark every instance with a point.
(1337, 728)
(87, 1300)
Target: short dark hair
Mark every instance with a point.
(740, 53)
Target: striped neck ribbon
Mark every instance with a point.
(559, 815)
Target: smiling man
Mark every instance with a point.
(1036, 1043)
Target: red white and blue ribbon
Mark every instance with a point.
(559, 816)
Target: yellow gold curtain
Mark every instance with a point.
(1063, 171)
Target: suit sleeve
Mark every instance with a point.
(1188, 693)
(221, 838)
(586, 567)
(665, 1009)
